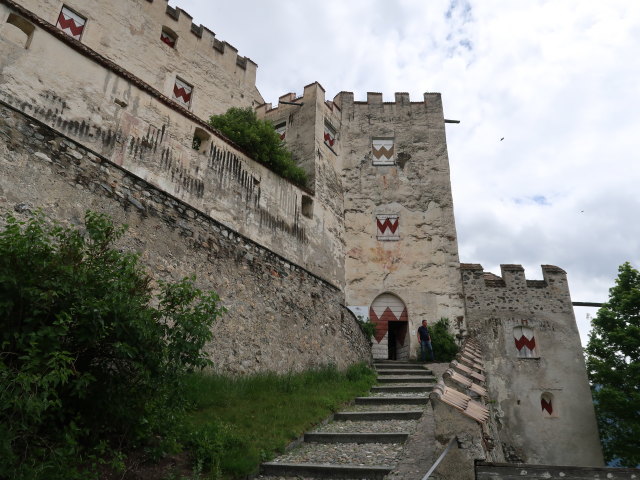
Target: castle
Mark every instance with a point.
(105, 106)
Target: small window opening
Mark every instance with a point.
(307, 206)
(329, 135)
(169, 37)
(201, 140)
(281, 129)
(547, 405)
(71, 22)
(22, 34)
(182, 92)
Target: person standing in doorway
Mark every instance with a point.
(425, 342)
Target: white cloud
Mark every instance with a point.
(557, 79)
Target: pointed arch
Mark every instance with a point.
(389, 314)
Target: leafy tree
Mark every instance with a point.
(91, 362)
(260, 141)
(613, 364)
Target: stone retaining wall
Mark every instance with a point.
(281, 317)
(491, 471)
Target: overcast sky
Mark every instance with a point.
(558, 80)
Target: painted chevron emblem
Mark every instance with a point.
(181, 93)
(546, 406)
(68, 25)
(383, 152)
(388, 223)
(167, 39)
(525, 342)
(329, 139)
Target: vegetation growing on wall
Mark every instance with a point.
(260, 141)
(444, 344)
(613, 364)
(88, 367)
(367, 327)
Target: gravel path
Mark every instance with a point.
(378, 426)
(344, 453)
(399, 394)
(385, 407)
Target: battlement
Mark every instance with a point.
(343, 99)
(511, 291)
(311, 93)
(512, 276)
(182, 23)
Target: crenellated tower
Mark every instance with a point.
(401, 259)
(536, 374)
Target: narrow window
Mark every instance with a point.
(387, 227)
(23, 31)
(281, 129)
(71, 23)
(329, 135)
(201, 140)
(383, 151)
(169, 37)
(525, 342)
(307, 206)
(182, 92)
(547, 405)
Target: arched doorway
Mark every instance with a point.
(389, 314)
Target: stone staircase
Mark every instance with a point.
(366, 440)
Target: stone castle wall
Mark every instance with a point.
(124, 119)
(497, 311)
(303, 134)
(280, 316)
(127, 32)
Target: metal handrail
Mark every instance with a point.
(440, 458)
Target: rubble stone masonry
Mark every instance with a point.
(280, 316)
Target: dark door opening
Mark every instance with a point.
(391, 342)
(396, 341)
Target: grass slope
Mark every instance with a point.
(238, 423)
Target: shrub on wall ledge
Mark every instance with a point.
(260, 141)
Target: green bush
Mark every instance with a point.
(444, 344)
(260, 141)
(87, 366)
(367, 327)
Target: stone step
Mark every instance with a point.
(378, 415)
(408, 366)
(352, 437)
(391, 400)
(325, 470)
(402, 388)
(397, 371)
(406, 379)
(395, 362)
